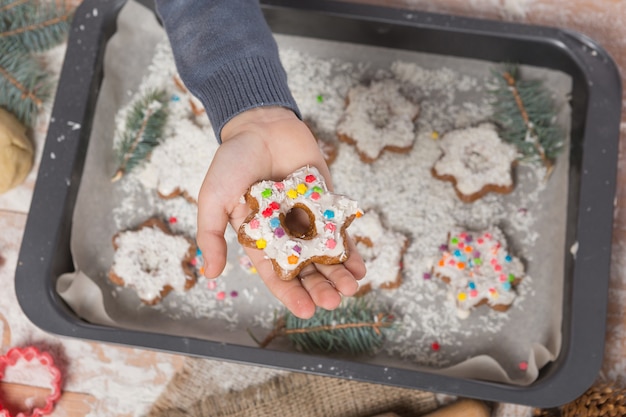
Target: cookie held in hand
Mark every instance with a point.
(297, 221)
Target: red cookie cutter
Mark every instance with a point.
(31, 354)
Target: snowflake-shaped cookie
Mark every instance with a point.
(382, 250)
(476, 161)
(378, 118)
(271, 225)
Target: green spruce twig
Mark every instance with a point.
(34, 26)
(24, 85)
(525, 114)
(143, 131)
(28, 27)
(353, 328)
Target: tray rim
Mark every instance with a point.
(45, 246)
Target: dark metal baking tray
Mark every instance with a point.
(595, 104)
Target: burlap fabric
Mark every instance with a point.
(198, 390)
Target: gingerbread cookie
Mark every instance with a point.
(272, 227)
(378, 118)
(173, 171)
(479, 270)
(382, 250)
(152, 261)
(476, 161)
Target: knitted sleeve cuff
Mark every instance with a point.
(242, 85)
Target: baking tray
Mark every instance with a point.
(595, 107)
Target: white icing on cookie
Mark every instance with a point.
(377, 117)
(381, 249)
(478, 269)
(149, 259)
(477, 158)
(305, 189)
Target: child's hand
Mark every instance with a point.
(260, 144)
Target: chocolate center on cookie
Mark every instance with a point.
(299, 222)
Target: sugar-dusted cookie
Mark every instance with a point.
(476, 161)
(382, 250)
(479, 270)
(272, 225)
(378, 118)
(153, 261)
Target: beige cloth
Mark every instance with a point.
(193, 393)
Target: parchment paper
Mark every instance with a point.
(490, 346)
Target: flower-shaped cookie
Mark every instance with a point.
(378, 118)
(290, 244)
(476, 161)
(153, 261)
(382, 250)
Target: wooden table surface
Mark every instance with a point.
(107, 380)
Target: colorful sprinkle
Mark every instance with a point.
(175, 97)
(254, 224)
(462, 296)
(435, 346)
(261, 243)
(443, 248)
(292, 194)
(268, 212)
(329, 214)
(523, 366)
(330, 227)
(274, 222)
(267, 193)
(279, 232)
(318, 189)
(454, 240)
(220, 295)
(234, 294)
(274, 205)
(320, 98)
(310, 178)
(279, 186)
(292, 259)
(511, 277)
(508, 258)
(198, 252)
(426, 275)
(434, 135)
(211, 284)
(172, 220)
(461, 265)
(506, 286)
(331, 243)
(472, 285)
(474, 293)
(302, 188)
(316, 196)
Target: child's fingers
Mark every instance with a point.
(291, 293)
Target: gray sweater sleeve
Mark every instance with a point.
(226, 56)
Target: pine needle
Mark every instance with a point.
(353, 328)
(143, 131)
(525, 114)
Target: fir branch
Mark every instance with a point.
(34, 26)
(24, 84)
(525, 114)
(353, 328)
(12, 5)
(143, 131)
